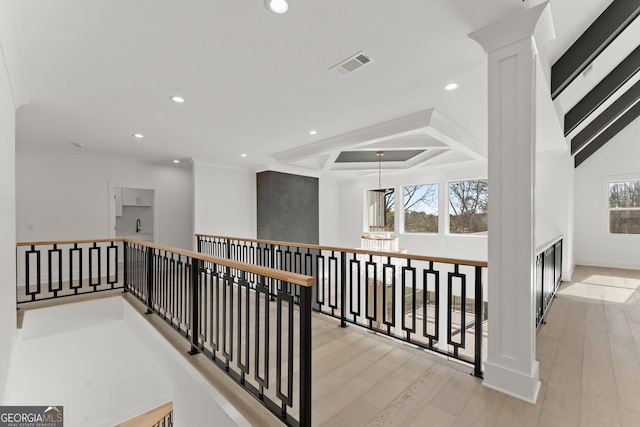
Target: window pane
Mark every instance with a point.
(624, 221)
(624, 194)
(389, 213)
(468, 204)
(421, 208)
(381, 208)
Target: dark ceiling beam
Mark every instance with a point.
(607, 134)
(592, 42)
(603, 91)
(607, 117)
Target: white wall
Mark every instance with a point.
(65, 195)
(616, 160)
(95, 367)
(226, 203)
(225, 200)
(7, 223)
(105, 364)
(196, 402)
(554, 203)
(352, 215)
(350, 212)
(329, 215)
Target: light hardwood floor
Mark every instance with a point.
(589, 366)
(589, 353)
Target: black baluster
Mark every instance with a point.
(477, 361)
(305, 356)
(149, 280)
(195, 302)
(343, 289)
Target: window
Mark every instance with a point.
(468, 207)
(624, 207)
(380, 205)
(421, 208)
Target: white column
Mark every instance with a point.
(511, 47)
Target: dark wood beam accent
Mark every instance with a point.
(607, 134)
(607, 117)
(603, 90)
(592, 42)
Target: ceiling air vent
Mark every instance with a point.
(352, 63)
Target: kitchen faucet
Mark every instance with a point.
(138, 225)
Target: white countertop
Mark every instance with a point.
(134, 233)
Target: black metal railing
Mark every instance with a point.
(252, 322)
(48, 270)
(166, 421)
(548, 276)
(434, 303)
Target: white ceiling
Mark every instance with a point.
(99, 71)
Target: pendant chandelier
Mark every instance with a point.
(379, 238)
(381, 191)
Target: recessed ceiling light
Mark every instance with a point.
(276, 6)
(177, 99)
(176, 161)
(243, 155)
(313, 132)
(138, 135)
(451, 86)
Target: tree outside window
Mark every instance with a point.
(624, 207)
(421, 208)
(468, 204)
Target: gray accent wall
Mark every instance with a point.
(288, 207)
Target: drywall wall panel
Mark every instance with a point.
(68, 194)
(616, 160)
(95, 367)
(329, 221)
(224, 201)
(553, 203)
(7, 225)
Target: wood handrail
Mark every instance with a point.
(149, 418)
(471, 263)
(548, 244)
(286, 276)
(294, 278)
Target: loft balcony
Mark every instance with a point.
(391, 354)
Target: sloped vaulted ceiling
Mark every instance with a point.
(610, 47)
